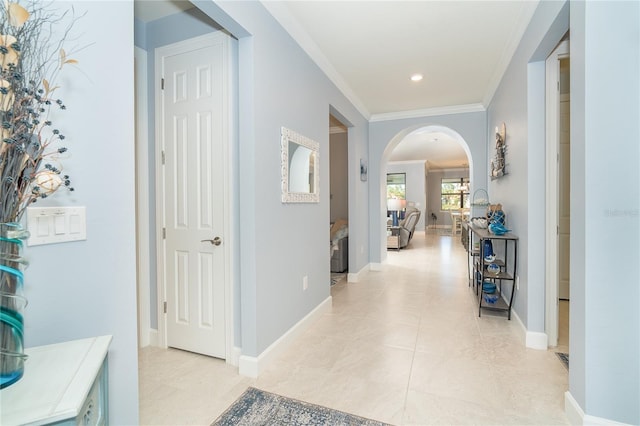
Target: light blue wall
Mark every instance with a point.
(521, 192)
(605, 221)
(604, 324)
(471, 127)
(279, 85)
(88, 288)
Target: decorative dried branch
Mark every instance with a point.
(29, 64)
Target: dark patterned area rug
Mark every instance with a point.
(564, 358)
(336, 277)
(256, 407)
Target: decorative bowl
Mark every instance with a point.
(479, 222)
(490, 258)
(497, 228)
(494, 269)
(491, 298)
(488, 287)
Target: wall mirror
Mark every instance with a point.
(300, 171)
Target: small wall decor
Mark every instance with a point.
(498, 162)
(363, 170)
(300, 168)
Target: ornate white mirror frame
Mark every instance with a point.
(300, 168)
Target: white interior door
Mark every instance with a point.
(194, 129)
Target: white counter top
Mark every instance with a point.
(57, 379)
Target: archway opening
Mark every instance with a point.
(430, 158)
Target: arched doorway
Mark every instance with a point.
(421, 151)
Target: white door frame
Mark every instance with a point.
(227, 246)
(552, 66)
(142, 198)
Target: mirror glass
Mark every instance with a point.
(300, 175)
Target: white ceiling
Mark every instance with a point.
(370, 49)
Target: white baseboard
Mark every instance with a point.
(576, 416)
(437, 227)
(531, 339)
(355, 277)
(376, 267)
(537, 340)
(251, 366)
(572, 410)
(235, 356)
(153, 337)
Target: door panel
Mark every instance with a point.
(193, 132)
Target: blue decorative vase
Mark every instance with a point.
(498, 216)
(12, 303)
(487, 249)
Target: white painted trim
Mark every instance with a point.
(531, 339)
(252, 366)
(572, 410)
(536, 340)
(439, 226)
(336, 129)
(454, 169)
(393, 163)
(281, 14)
(143, 252)
(526, 13)
(576, 416)
(160, 222)
(153, 337)
(522, 330)
(428, 112)
(374, 267)
(234, 359)
(355, 277)
(230, 137)
(227, 119)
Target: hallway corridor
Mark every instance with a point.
(404, 346)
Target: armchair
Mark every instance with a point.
(407, 226)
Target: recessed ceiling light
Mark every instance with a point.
(416, 77)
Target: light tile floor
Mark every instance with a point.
(403, 346)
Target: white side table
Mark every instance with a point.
(393, 237)
(63, 383)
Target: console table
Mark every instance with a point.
(506, 248)
(64, 383)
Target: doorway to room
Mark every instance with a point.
(558, 101)
(435, 162)
(339, 198)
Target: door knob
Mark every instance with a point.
(216, 241)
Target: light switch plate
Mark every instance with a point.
(49, 225)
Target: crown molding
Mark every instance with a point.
(528, 9)
(281, 14)
(428, 112)
(450, 169)
(391, 163)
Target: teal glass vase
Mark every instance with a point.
(12, 303)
